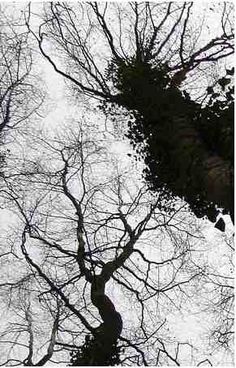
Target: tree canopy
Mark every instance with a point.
(107, 255)
(188, 146)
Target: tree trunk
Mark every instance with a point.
(101, 349)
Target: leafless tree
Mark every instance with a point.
(221, 284)
(94, 269)
(154, 33)
(19, 95)
(89, 246)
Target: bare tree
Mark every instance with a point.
(96, 266)
(85, 242)
(221, 284)
(19, 95)
(145, 32)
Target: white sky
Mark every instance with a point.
(60, 113)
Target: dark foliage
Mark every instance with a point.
(96, 351)
(187, 147)
(220, 225)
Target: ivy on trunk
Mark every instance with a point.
(187, 147)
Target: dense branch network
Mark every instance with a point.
(149, 57)
(96, 247)
(99, 263)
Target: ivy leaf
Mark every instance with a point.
(223, 82)
(229, 96)
(210, 90)
(230, 71)
(220, 225)
(215, 95)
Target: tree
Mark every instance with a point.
(147, 57)
(218, 284)
(19, 95)
(79, 236)
(97, 269)
(191, 154)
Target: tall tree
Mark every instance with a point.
(19, 95)
(150, 50)
(83, 251)
(96, 268)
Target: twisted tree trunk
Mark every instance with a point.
(101, 349)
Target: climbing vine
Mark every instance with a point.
(187, 147)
